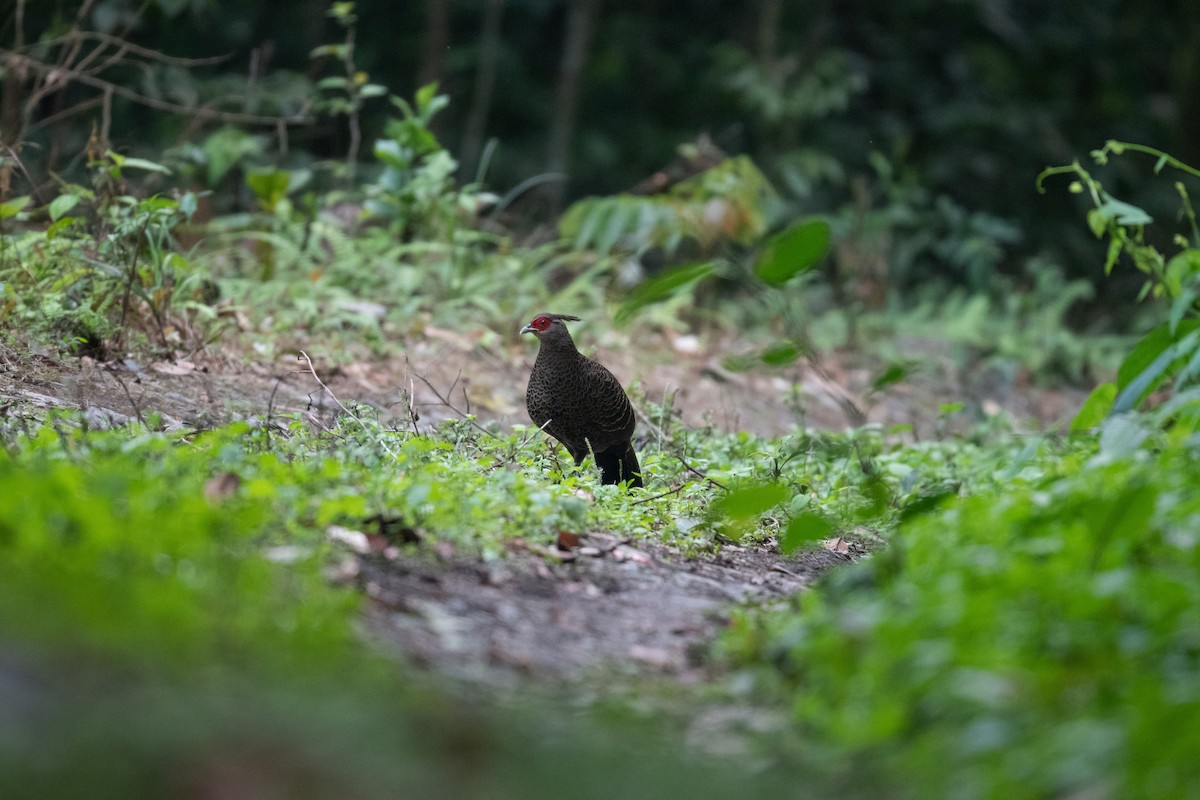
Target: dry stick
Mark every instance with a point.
(153, 55)
(312, 371)
(299, 118)
(445, 401)
(279, 379)
(676, 490)
(136, 408)
(82, 105)
(12, 154)
(699, 474)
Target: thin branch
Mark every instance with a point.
(312, 371)
(137, 410)
(676, 490)
(82, 105)
(64, 75)
(699, 474)
(445, 401)
(145, 52)
(33, 189)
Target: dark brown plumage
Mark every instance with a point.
(580, 403)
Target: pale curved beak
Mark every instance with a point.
(529, 329)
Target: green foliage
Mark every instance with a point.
(128, 557)
(168, 605)
(1170, 352)
(415, 192)
(792, 252)
(1035, 640)
(106, 266)
(663, 286)
(727, 203)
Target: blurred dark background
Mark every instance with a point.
(919, 125)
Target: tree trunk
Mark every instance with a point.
(437, 39)
(485, 81)
(580, 17)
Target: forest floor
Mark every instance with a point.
(606, 604)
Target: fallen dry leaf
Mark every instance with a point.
(837, 545)
(173, 367)
(654, 656)
(345, 571)
(568, 541)
(221, 487)
(623, 553)
(355, 540)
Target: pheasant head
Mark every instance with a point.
(551, 329)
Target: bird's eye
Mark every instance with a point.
(541, 323)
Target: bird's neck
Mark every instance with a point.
(562, 346)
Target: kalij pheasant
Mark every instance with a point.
(580, 403)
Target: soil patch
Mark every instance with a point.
(623, 608)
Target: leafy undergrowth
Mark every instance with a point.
(1038, 640)
(171, 627)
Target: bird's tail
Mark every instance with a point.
(619, 464)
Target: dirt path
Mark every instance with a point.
(610, 608)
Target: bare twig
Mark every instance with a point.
(312, 371)
(137, 410)
(698, 473)
(271, 406)
(12, 154)
(60, 76)
(145, 52)
(676, 490)
(445, 401)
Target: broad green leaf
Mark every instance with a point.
(1184, 300)
(926, 504)
(269, 186)
(1180, 272)
(895, 373)
(749, 501)
(425, 95)
(740, 363)
(793, 251)
(60, 205)
(1095, 408)
(780, 354)
(13, 207)
(1149, 348)
(1185, 375)
(56, 229)
(1123, 213)
(662, 287)
(802, 529)
(335, 50)
(142, 163)
(1156, 372)
(188, 204)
